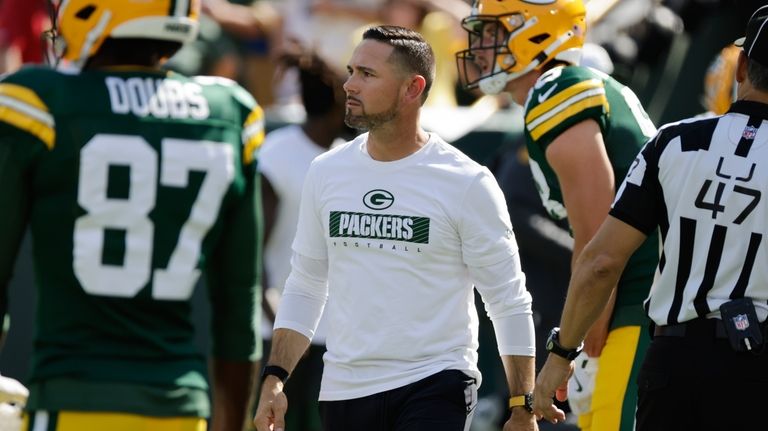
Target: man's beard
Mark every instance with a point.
(367, 122)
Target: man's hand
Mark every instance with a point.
(552, 382)
(521, 420)
(270, 413)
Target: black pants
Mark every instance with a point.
(444, 401)
(698, 383)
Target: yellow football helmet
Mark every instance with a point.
(84, 24)
(720, 84)
(520, 35)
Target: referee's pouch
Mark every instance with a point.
(740, 320)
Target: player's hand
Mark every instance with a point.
(11, 391)
(521, 420)
(552, 382)
(270, 413)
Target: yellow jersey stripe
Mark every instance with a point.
(28, 110)
(22, 94)
(563, 106)
(253, 135)
(573, 109)
(41, 130)
(562, 96)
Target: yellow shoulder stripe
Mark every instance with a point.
(253, 134)
(542, 128)
(561, 97)
(22, 108)
(23, 94)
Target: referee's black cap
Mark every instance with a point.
(755, 43)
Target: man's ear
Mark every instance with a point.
(741, 67)
(415, 88)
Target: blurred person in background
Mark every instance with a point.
(283, 162)
(257, 26)
(720, 86)
(583, 130)
(22, 24)
(134, 183)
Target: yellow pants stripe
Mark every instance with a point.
(101, 421)
(614, 369)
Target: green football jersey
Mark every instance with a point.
(563, 97)
(133, 183)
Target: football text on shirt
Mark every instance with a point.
(160, 98)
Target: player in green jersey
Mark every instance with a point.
(134, 182)
(583, 131)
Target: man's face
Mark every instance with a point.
(373, 86)
(484, 43)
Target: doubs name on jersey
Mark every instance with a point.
(160, 98)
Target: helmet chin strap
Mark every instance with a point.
(496, 83)
(493, 84)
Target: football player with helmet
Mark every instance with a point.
(134, 182)
(720, 81)
(583, 130)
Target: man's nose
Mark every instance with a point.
(349, 86)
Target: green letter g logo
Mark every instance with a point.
(378, 199)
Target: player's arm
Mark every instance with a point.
(15, 200)
(270, 202)
(596, 272)
(585, 174)
(234, 291)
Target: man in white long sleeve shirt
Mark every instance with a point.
(394, 230)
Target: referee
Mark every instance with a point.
(702, 183)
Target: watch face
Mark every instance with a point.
(551, 339)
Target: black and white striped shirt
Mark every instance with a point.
(702, 181)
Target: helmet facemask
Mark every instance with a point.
(488, 41)
(509, 38)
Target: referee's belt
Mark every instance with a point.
(693, 328)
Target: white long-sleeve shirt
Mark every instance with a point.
(401, 245)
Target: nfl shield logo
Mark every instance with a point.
(749, 133)
(741, 322)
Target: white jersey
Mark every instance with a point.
(404, 242)
(702, 182)
(284, 159)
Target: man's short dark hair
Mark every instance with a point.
(758, 75)
(411, 52)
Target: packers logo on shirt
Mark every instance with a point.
(378, 199)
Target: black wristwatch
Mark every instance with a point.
(275, 370)
(553, 346)
(525, 401)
